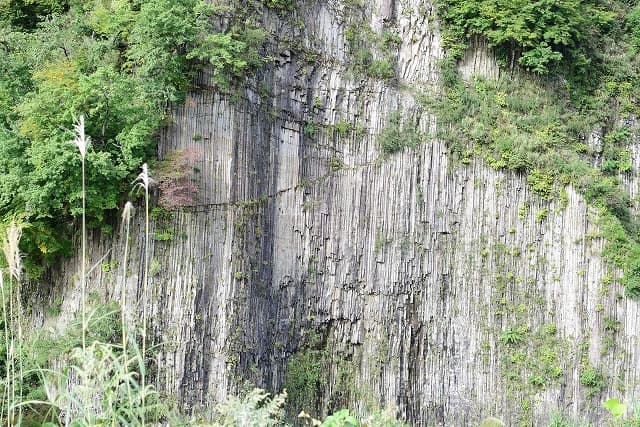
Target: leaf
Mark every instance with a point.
(615, 407)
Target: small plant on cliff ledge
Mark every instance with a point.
(594, 379)
(399, 134)
(514, 335)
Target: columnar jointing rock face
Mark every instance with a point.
(446, 290)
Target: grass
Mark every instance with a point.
(13, 324)
(90, 391)
(82, 141)
(144, 181)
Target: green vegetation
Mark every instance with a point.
(535, 357)
(37, 351)
(535, 35)
(593, 378)
(305, 378)
(514, 335)
(372, 55)
(118, 63)
(341, 419)
(400, 132)
(615, 407)
(542, 127)
(522, 126)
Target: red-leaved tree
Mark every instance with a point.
(175, 176)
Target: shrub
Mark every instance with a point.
(633, 26)
(514, 335)
(537, 35)
(398, 134)
(592, 377)
(175, 179)
(341, 418)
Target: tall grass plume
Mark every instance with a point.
(82, 141)
(12, 317)
(144, 181)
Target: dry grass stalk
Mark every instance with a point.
(144, 181)
(127, 214)
(13, 322)
(82, 142)
(10, 247)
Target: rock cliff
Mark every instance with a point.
(447, 290)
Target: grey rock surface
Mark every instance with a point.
(407, 270)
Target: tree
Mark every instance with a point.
(534, 34)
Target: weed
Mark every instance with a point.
(541, 215)
(593, 378)
(514, 335)
(399, 134)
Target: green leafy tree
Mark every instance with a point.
(27, 13)
(534, 34)
(118, 63)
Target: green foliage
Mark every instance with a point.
(562, 420)
(399, 133)
(118, 63)
(281, 5)
(28, 13)
(39, 350)
(531, 361)
(622, 250)
(228, 55)
(106, 389)
(611, 325)
(310, 129)
(616, 408)
(593, 378)
(541, 215)
(163, 235)
(511, 124)
(541, 183)
(343, 128)
(255, 408)
(523, 127)
(373, 55)
(341, 418)
(514, 335)
(538, 35)
(633, 27)
(304, 378)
